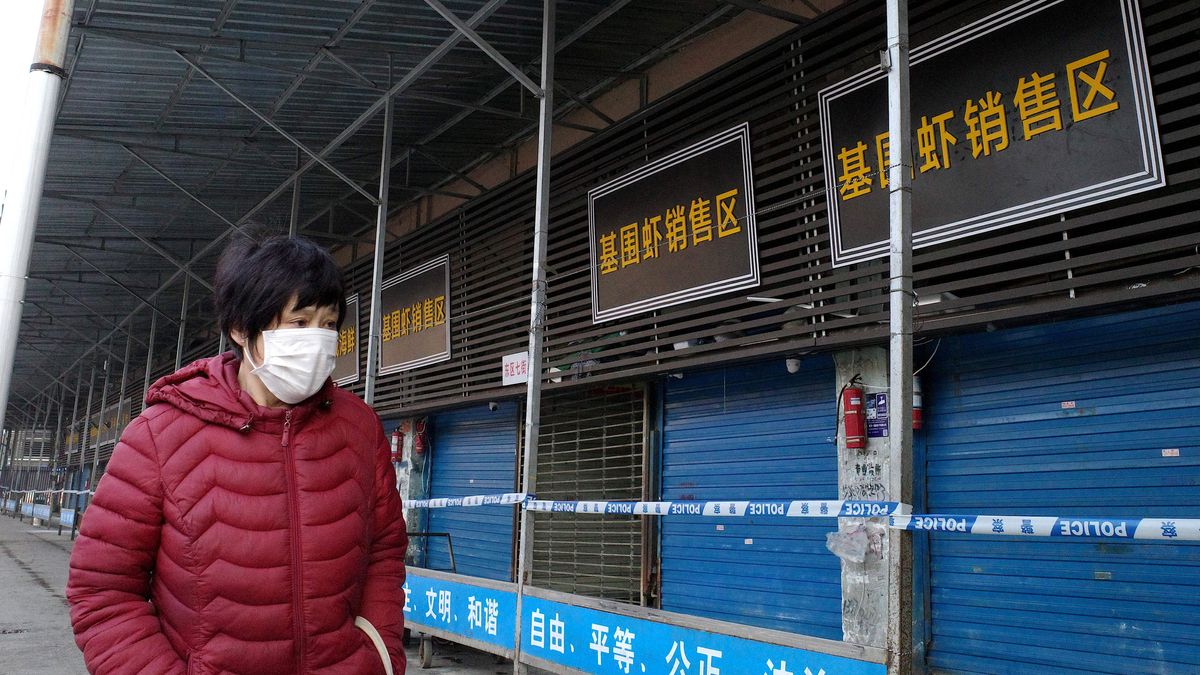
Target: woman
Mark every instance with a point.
(248, 520)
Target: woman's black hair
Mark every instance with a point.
(257, 278)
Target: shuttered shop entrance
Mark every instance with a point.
(592, 447)
(752, 432)
(474, 453)
(1095, 417)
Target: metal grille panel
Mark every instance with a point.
(592, 448)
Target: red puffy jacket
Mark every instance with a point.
(226, 537)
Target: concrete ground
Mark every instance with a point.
(35, 630)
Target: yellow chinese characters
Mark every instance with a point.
(855, 179)
(348, 340)
(1035, 101)
(680, 226)
(934, 141)
(1086, 106)
(986, 124)
(421, 315)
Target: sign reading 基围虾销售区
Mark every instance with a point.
(346, 367)
(416, 317)
(679, 229)
(1029, 112)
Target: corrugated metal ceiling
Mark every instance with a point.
(134, 107)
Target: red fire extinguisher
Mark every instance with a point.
(397, 445)
(421, 440)
(854, 418)
(917, 415)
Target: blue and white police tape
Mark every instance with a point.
(506, 499)
(48, 492)
(1162, 529)
(783, 508)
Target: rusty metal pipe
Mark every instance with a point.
(19, 221)
(51, 51)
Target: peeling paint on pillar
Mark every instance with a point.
(864, 474)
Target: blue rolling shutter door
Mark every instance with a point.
(752, 432)
(474, 453)
(1080, 418)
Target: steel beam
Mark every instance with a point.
(93, 138)
(461, 176)
(91, 310)
(487, 48)
(583, 102)
(204, 205)
(537, 317)
(433, 98)
(767, 10)
(152, 246)
(589, 25)
(405, 82)
(354, 72)
(318, 158)
(116, 281)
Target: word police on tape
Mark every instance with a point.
(727, 509)
(1162, 529)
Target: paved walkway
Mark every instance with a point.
(35, 630)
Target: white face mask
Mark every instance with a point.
(296, 361)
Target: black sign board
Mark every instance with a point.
(676, 230)
(415, 308)
(1029, 112)
(345, 369)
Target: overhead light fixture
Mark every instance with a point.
(758, 298)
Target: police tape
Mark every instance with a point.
(506, 499)
(46, 492)
(899, 516)
(783, 508)
(1161, 529)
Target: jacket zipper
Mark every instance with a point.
(294, 524)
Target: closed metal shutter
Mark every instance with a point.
(752, 432)
(474, 453)
(592, 448)
(1095, 417)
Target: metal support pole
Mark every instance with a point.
(74, 416)
(19, 220)
(92, 479)
(125, 376)
(537, 316)
(150, 355)
(56, 440)
(86, 420)
(183, 309)
(294, 223)
(374, 338)
(900, 371)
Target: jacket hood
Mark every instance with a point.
(208, 390)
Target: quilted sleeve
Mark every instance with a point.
(383, 595)
(108, 587)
